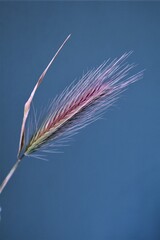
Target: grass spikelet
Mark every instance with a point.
(82, 104)
(79, 105)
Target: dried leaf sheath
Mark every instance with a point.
(30, 99)
(82, 103)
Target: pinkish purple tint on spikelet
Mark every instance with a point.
(83, 103)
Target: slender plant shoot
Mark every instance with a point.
(77, 106)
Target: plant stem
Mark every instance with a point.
(7, 178)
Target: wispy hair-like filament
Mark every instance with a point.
(82, 103)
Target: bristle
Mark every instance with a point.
(82, 103)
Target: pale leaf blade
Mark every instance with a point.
(29, 101)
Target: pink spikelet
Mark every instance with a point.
(81, 104)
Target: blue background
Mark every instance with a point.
(105, 186)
